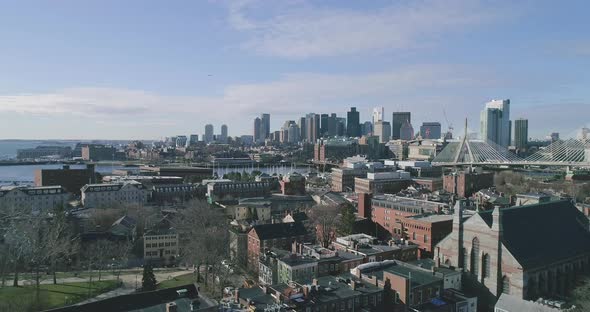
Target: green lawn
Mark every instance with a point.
(50, 296)
(177, 281)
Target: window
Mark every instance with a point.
(486, 266)
(474, 256)
(505, 285)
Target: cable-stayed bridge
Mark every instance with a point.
(570, 153)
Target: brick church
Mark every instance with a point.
(527, 251)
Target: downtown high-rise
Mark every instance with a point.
(353, 128)
(208, 137)
(430, 130)
(397, 121)
(495, 122)
(521, 134)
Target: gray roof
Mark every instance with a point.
(531, 228)
(512, 303)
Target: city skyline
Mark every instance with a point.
(66, 67)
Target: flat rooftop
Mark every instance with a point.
(432, 218)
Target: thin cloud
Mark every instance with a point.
(292, 94)
(305, 31)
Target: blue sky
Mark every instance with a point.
(147, 69)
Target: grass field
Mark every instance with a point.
(50, 296)
(107, 274)
(177, 281)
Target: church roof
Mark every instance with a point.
(543, 233)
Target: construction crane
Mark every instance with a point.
(449, 125)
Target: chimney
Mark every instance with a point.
(237, 295)
(171, 307)
(364, 205)
(497, 221)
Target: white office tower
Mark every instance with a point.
(495, 122)
(383, 130)
(378, 114)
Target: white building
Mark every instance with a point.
(383, 130)
(114, 194)
(34, 199)
(378, 113)
(495, 122)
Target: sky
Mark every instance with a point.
(141, 69)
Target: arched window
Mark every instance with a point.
(474, 256)
(486, 266)
(448, 262)
(505, 285)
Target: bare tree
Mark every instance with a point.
(325, 221)
(204, 236)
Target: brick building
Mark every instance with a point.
(465, 183)
(70, 179)
(389, 211)
(383, 182)
(293, 184)
(266, 236)
(227, 191)
(431, 184)
(525, 251)
(425, 230)
(342, 179)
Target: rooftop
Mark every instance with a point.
(279, 230)
(432, 218)
(530, 228)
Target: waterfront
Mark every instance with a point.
(25, 174)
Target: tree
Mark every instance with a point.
(204, 237)
(148, 281)
(61, 244)
(326, 221)
(348, 219)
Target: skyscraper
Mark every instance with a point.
(378, 114)
(430, 130)
(399, 118)
(353, 128)
(257, 130)
(495, 122)
(312, 123)
(223, 136)
(406, 132)
(293, 133)
(367, 128)
(340, 126)
(521, 134)
(265, 126)
(302, 129)
(332, 126)
(208, 137)
(193, 139)
(324, 125)
(383, 130)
